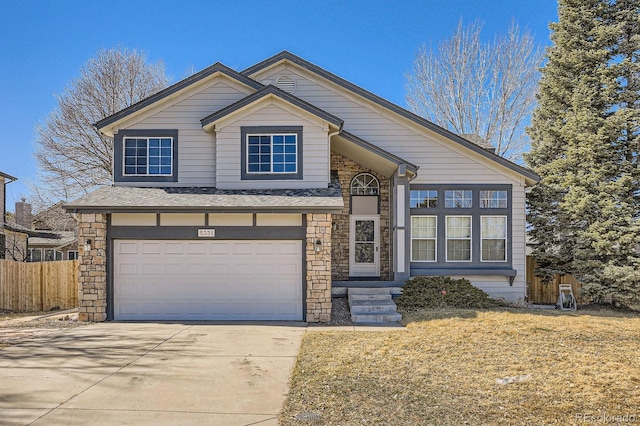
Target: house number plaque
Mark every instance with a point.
(206, 233)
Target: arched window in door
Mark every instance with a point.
(365, 184)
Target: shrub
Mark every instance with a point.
(443, 292)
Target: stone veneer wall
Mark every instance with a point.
(347, 169)
(92, 274)
(318, 268)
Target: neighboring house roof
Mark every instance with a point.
(56, 240)
(269, 91)
(290, 57)
(118, 198)
(55, 218)
(480, 141)
(14, 227)
(177, 87)
(6, 176)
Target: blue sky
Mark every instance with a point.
(43, 45)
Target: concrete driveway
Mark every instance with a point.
(150, 373)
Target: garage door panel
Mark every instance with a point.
(196, 248)
(207, 280)
(174, 248)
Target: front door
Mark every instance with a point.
(364, 246)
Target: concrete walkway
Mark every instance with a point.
(150, 374)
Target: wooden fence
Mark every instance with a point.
(38, 286)
(547, 294)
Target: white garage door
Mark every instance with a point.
(207, 280)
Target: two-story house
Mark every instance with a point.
(251, 195)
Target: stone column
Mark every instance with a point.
(92, 274)
(318, 268)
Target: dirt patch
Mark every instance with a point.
(340, 312)
(18, 327)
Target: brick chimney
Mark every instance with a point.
(24, 217)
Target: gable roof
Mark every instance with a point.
(177, 87)
(373, 156)
(268, 91)
(49, 239)
(290, 57)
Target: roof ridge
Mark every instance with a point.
(286, 55)
(176, 87)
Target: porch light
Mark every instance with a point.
(87, 245)
(317, 246)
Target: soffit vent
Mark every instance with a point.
(286, 83)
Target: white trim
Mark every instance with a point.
(400, 203)
(401, 251)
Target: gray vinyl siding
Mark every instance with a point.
(439, 162)
(197, 150)
(315, 152)
(436, 157)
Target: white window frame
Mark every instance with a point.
(434, 239)
(124, 156)
(271, 153)
(506, 233)
(446, 237)
(75, 252)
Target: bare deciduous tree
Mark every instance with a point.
(73, 157)
(471, 87)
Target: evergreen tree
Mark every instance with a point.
(584, 212)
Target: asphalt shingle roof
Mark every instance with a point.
(119, 198)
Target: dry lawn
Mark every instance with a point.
(445, 367)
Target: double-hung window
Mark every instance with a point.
(424, 231)
(493, 233)
(458, 235)
(271, 152)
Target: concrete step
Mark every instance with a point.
(356, 297)
(382, 290)
(375, 318)
(372, 307)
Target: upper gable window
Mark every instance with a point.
(272, 152)
(146, 156)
